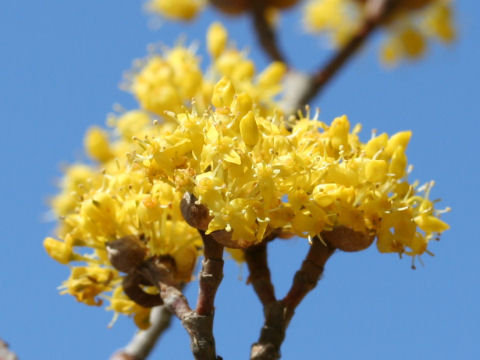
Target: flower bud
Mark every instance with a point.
(400, 139)
(273, 74)
(376, 144)
(430, 223)
(398, 164)
(249, 129)
(97, 145)
(58, 250)
(216, 39)
(223, 93)
(196, 215)
(242, 104)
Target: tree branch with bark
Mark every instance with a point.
(198, 322)
(278, 313)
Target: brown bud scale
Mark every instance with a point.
(346, 239)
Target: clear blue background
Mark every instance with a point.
(60, 66)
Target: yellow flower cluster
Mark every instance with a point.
(220, 138)
(188, 9)
(409, 28)
(171, 82)
(256, 176)
(176, 9)
(112, 200)
(338, 18)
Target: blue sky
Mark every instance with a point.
(60, 67)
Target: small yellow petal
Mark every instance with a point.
(223, 93)
(376, 170)
(97, 145)
(249, 129)
(376, 144)
(324, 194)
(398, 164)
(273, 74)
(398, 140)
(242, 104)
(58, 250)
(430, 223)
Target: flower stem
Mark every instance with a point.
(256, 258)
(307, 277)
(377, 12)
(265, 32)
(210, 276)
(143, 342)
(198, 323)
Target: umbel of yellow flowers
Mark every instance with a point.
(408, 29)
(222, 142)
(256, 175)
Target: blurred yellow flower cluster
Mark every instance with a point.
(410, 26)
(176, 9)
(188, 9)
(174, 81)
(257, 175)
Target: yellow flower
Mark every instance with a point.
(120, 303)
(339, 18)
(216, 39)
(249, 129)
(430, 224)
(97, 144)
(176, 9)
(408, 29)
(59, 250)
(223, 93)
(86, 283)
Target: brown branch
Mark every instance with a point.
(158, 271)
(307, 277)
(279, 313)
(272, 333)
(144, 341)
(377, 12)
(199, 322)
(199, 327)
(210, 276)
(256, 258)
(265, 32)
